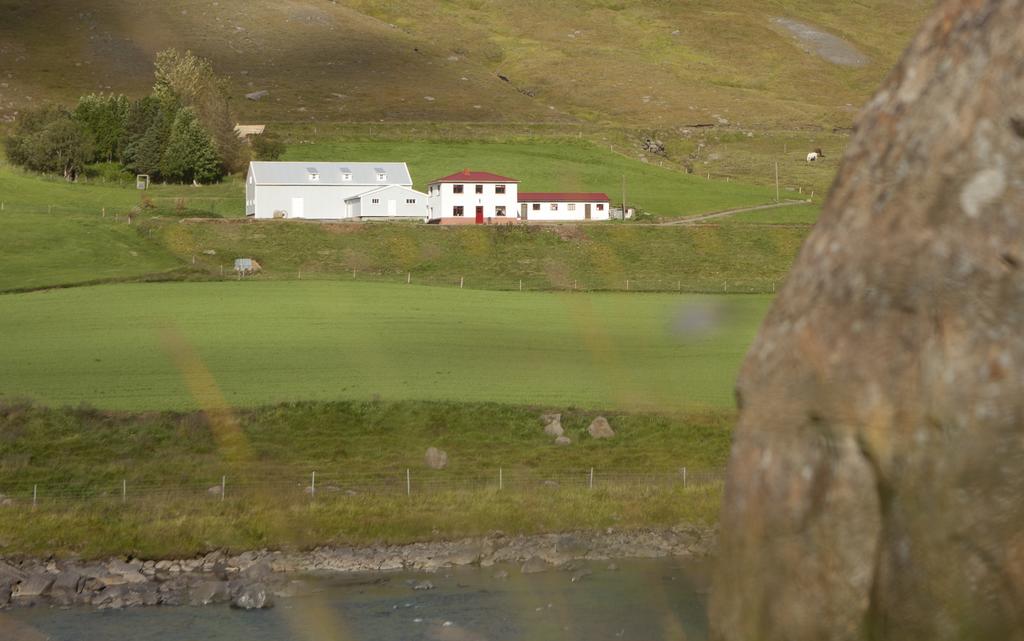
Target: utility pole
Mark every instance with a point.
(623, 196)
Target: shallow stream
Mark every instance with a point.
(639, 600)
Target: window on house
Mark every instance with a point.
(457, 189)
(410, 201)
(381, 175)
(457, 210)
(554, 206)
(375, 201)
(499, 189)
(314, 176)
(536, 206)
(346, 174)
(600, 207)
(499, 210)
(479, 189)
(572, 206)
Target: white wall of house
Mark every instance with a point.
(393, 202)
(443, 200)
(564, 211)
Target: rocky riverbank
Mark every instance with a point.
(253, 580)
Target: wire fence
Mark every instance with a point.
(688, 284)
(294, 487)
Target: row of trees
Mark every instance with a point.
(182, 132)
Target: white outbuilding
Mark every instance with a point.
(563, 206)
(333, 191)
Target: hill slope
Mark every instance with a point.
(641, 62)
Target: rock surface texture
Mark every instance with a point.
(252, 580)
(876, 480)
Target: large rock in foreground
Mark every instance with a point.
(876, 485)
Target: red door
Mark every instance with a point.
(479, 215)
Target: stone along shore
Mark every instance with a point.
(253, 580)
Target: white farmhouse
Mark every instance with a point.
(472, 197)
(333, 191)
(563, 206)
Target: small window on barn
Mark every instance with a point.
(572, 206)
(499, 210)
(457, 189)
(314, 175)
(554, 206)
(346, 174)
(499, 189)
(375, 201)
(536, 206)
(381, 175)
(410, 201)
(479, 189)
(457, 210)
(600, 206)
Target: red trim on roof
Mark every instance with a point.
(467, 176)
(562, 197)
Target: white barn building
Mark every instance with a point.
(333, 191)
(472, 197)
(563, 206)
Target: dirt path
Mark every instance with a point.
(729, 212)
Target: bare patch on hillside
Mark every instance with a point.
(825, 45)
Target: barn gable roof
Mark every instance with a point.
(380, 190)
(329, 173)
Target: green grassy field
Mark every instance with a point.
(553, 165)
(793, 215)
(76, 459)
(182, 345)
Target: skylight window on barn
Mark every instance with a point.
(381, 174)
(314, 175)
(346, 174)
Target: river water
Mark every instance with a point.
(639, 600)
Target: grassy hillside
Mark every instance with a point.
(637, 62)
(552, 165)
(78, 458)
(186, 345)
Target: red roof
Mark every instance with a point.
(467, 176)
(562, 197)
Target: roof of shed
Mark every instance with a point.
(467, 176)
(379, 190)
(562, 197)
(297, 173)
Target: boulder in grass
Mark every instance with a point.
(563, 440)
(553, 424)
(600, 428)
(436, 459)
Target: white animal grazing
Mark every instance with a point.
(815, 156)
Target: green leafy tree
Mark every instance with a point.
(105, 117)
(190, 155)
(50, 140)
(148, 126)
(268, 147)
(191, 81)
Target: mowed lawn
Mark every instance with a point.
(187, 345)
